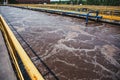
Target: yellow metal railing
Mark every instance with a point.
(13, 47)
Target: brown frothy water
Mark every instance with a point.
(71, 50)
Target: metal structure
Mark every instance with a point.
(110, 13)
(16, 50)
(94, 16)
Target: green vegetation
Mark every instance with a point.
(12, 1)
(9, 1)
(104, 2)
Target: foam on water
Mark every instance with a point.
(72, 50)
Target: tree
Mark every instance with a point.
(12, 1)
(104, 2)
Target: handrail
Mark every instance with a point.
(13, 45)
(12, 55)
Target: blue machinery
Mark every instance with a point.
(96, 16)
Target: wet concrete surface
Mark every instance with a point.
(72, 50)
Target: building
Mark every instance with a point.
(33, 1)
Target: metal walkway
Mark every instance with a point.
(6, 70)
